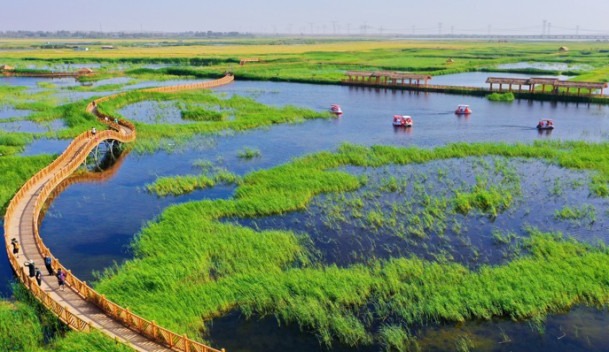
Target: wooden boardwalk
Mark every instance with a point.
(78, 305)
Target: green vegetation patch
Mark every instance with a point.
(15, 171)
(506, 97)
(199, 114)
(25, 325)
(20, 329)
(178, 185)
(13, 142)
(244, 113)
(190, 267)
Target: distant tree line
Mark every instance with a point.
(109, 35)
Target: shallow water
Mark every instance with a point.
(581, 329)
(31, 127)
(7, 112)
(32, 82)
(345, 235)
(87, 229)
(550, 66)
(153, 112)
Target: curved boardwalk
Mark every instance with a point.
(79, 306)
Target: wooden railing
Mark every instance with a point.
(61, 168)
(202, 85)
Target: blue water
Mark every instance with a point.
(367, 121)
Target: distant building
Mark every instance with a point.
(6, 68)
(81, 48)
(563, 49)
(107, 47)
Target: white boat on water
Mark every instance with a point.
(336, 109)
(402, 121)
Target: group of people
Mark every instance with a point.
(35, 272)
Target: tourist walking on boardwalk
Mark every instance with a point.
(48, 263)
(61, 279)
(38, 277)
(15, 244)
(31, 267)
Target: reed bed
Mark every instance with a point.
(214, 113)
(15, 171)
(506, 97)
(25, 325)
(224, 267)
(323, 60)
(179, 185)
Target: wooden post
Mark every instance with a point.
(127, 317)
(186, 345)
(154, 328)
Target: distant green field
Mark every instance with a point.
(322, 60)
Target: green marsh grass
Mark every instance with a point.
(586, 212)
(320, 60)
(14, 142)
(20, 329)
(395, 338)
(249, 153)
(247, 114)
(25, 325)
(504, 97)
(260, 273)
(179, 185)
(199, 114)
(15, 171)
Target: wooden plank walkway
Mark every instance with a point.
(79, 306)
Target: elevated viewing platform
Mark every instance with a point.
(540, 87)
(555, 85)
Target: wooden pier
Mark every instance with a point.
(556, 85)
(385, 78)
(549, 87)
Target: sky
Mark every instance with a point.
(311, 16)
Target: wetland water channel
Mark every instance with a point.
(89, 226)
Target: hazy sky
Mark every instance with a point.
(312, 16)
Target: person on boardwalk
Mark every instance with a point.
(48, 263)
(30, 265)
(61, 279)
(38, 277)
(16, 247)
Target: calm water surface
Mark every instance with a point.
(90, 225)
